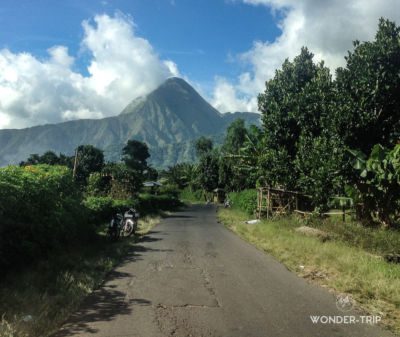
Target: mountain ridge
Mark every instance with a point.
(168, 119)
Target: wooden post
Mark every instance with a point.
(75, 163)
(268, 202)
(344, 213)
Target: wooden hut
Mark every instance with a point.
(219, 195)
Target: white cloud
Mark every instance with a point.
(173, 68)
(122, 66)
(226, 98)
(327, 28)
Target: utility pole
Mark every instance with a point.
(75, 163)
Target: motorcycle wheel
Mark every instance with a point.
(113, 234)
(129, 228)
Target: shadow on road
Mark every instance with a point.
(102, 306)
(179, 216)
(106, 303)
(148, 238)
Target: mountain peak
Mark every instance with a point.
(177, 97)
(172, 88)
(175, 80)
(177, 85)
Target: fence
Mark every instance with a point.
(277, 201)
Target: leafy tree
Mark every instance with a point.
(89, 159)
(319, 163)
(296, 104)
(230, 176)
(208, 171)
(368, 108)
(182, 175)
(249, 157)
(125, 182)
(235, 137)
(49, 158)
(203, 146)
(368, 91)
(150, 173)
(98, 184)
(280, 103)
(135, 155)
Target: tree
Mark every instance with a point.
(89, 159)
(150, 173)
(136, 169)
(49, 158)
(203, 146)
(319, 164)
(368, 89)
(135, 155)
(368, 111)
(235, 137)
(296, 103)
(208, 170)
(182, 175)
(246, 163)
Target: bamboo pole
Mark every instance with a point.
(75, 163)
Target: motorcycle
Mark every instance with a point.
(123, 225)
(114, 227)
(131, 218)
(227, 203)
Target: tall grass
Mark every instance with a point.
(374, 240)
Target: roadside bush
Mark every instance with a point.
(97, 184)
(190, 195)
(149, 203)
(40, 212)
(101, 209)
(171, 190)
(378, 185)
(245, 200)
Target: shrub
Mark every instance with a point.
(150, 203)
(171, 190)
(245, 200)
(190, 195)
(103, 208)
(40, 212)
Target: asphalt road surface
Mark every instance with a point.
(191, 276)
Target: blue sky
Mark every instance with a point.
(71, 59)
(201, 36)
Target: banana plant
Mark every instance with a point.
(379, 183)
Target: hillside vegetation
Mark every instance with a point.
(168, 119)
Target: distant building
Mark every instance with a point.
(151, 184)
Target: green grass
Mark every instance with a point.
(343, 264)
(189, 196)
(374, 240)
(51, 290)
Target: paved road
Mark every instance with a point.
(192, 277)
